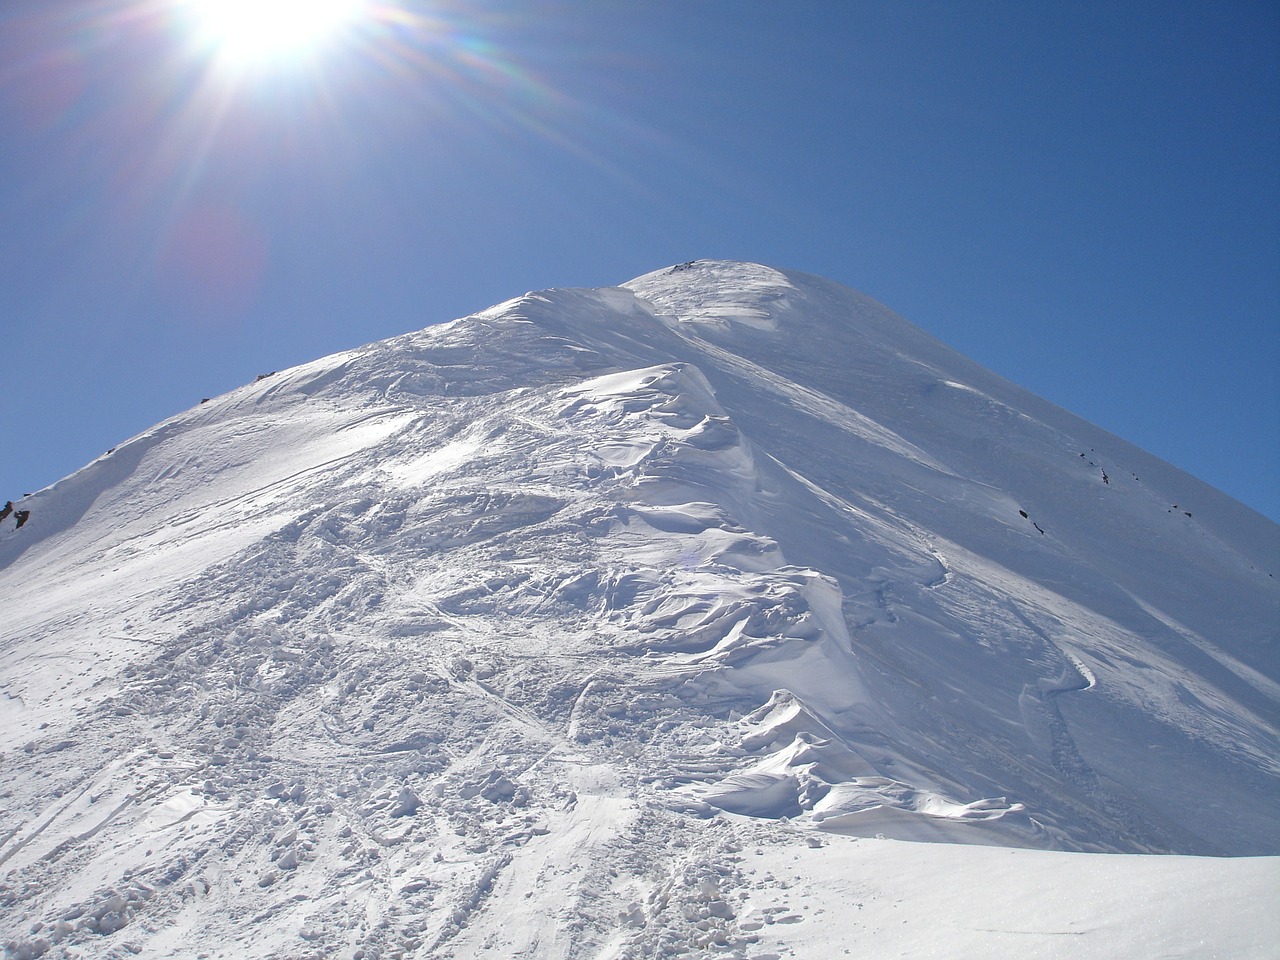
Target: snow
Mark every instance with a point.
(723, 613)
(893, 899)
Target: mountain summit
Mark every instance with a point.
(510, 636)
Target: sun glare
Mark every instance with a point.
(262, 32)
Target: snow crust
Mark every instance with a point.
(723, 613)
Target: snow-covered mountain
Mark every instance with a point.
(640, 621)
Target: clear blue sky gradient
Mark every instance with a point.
(1084, 197)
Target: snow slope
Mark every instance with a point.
(638, 622)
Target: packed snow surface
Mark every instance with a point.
(719, 614)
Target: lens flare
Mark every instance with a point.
(203, 130)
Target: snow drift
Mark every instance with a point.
(511, 635)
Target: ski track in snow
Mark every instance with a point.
(584, 627)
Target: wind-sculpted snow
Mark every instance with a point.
(573, 628)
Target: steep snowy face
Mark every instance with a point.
(1042, 576)
(615, 568)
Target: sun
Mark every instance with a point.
(248, 33)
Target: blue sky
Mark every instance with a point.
(1084, 197)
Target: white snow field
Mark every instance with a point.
(722, 614)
